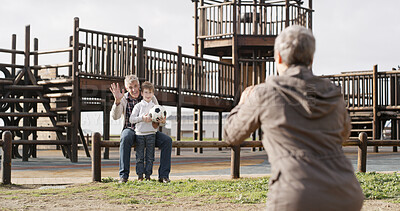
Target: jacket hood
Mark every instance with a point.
(310, 95)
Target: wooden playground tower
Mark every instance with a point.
(240, 33)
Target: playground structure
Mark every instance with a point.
(240, 33)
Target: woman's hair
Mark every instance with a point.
(296, 45)
(131, 78)
(147, 85)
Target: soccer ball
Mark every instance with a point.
(157, 112)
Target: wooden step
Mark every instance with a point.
(361, 130)
(66, 88)
(6, 81)
(55, 81)
(361, 122)
(24, 114)
(68, 108)
(30, 128)
(23, 100)
(24, 87)
(64, 124)
(56, 95)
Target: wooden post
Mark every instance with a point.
(75, 94)
(220, 128)
(375, 105)
(287, 4)
(260, 137)
(35, 106)
(253, 137)
(106, 125)
(235, 56)
(310, 15)
(26, 123)
(235, 162)
(6, 161)
(362, 153)
(195, 127)
(196, 30)
(179, 99)
(254, 18)
(96, 157)
(140, 57)
(202, 21)
(201, 128)
(394, 132)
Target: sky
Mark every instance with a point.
(350, 35)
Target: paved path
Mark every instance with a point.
(52, 168)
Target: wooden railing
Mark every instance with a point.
(198, 76)
(217, 20)
(107, 54)
(360, 89)
(255, 71)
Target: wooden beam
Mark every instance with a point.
(263, 41)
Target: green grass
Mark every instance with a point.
(230, 191)
(241, 191)
(380, 186)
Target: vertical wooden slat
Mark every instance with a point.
(179, 98)
(91, 53)
(254, 19)
(102, 55)
(140, 57)
(13, 54)
(108, 56)
(117, 56)
(86, 54)
(122, 56)
(133, 56)
(196, 29)
(97, 62)
(353, 91)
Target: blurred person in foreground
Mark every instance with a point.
(304, 120)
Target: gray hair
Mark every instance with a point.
(131, 78)
(296, 45)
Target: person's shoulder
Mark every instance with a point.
(262, 91)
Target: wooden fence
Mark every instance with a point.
(7, 142)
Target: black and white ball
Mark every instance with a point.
(157, 112)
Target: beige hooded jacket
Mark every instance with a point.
(304, 121)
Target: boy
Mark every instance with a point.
(145, 132)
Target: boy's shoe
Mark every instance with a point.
(140, 179)
(123, 180)
(147, 178)
(164, 180)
